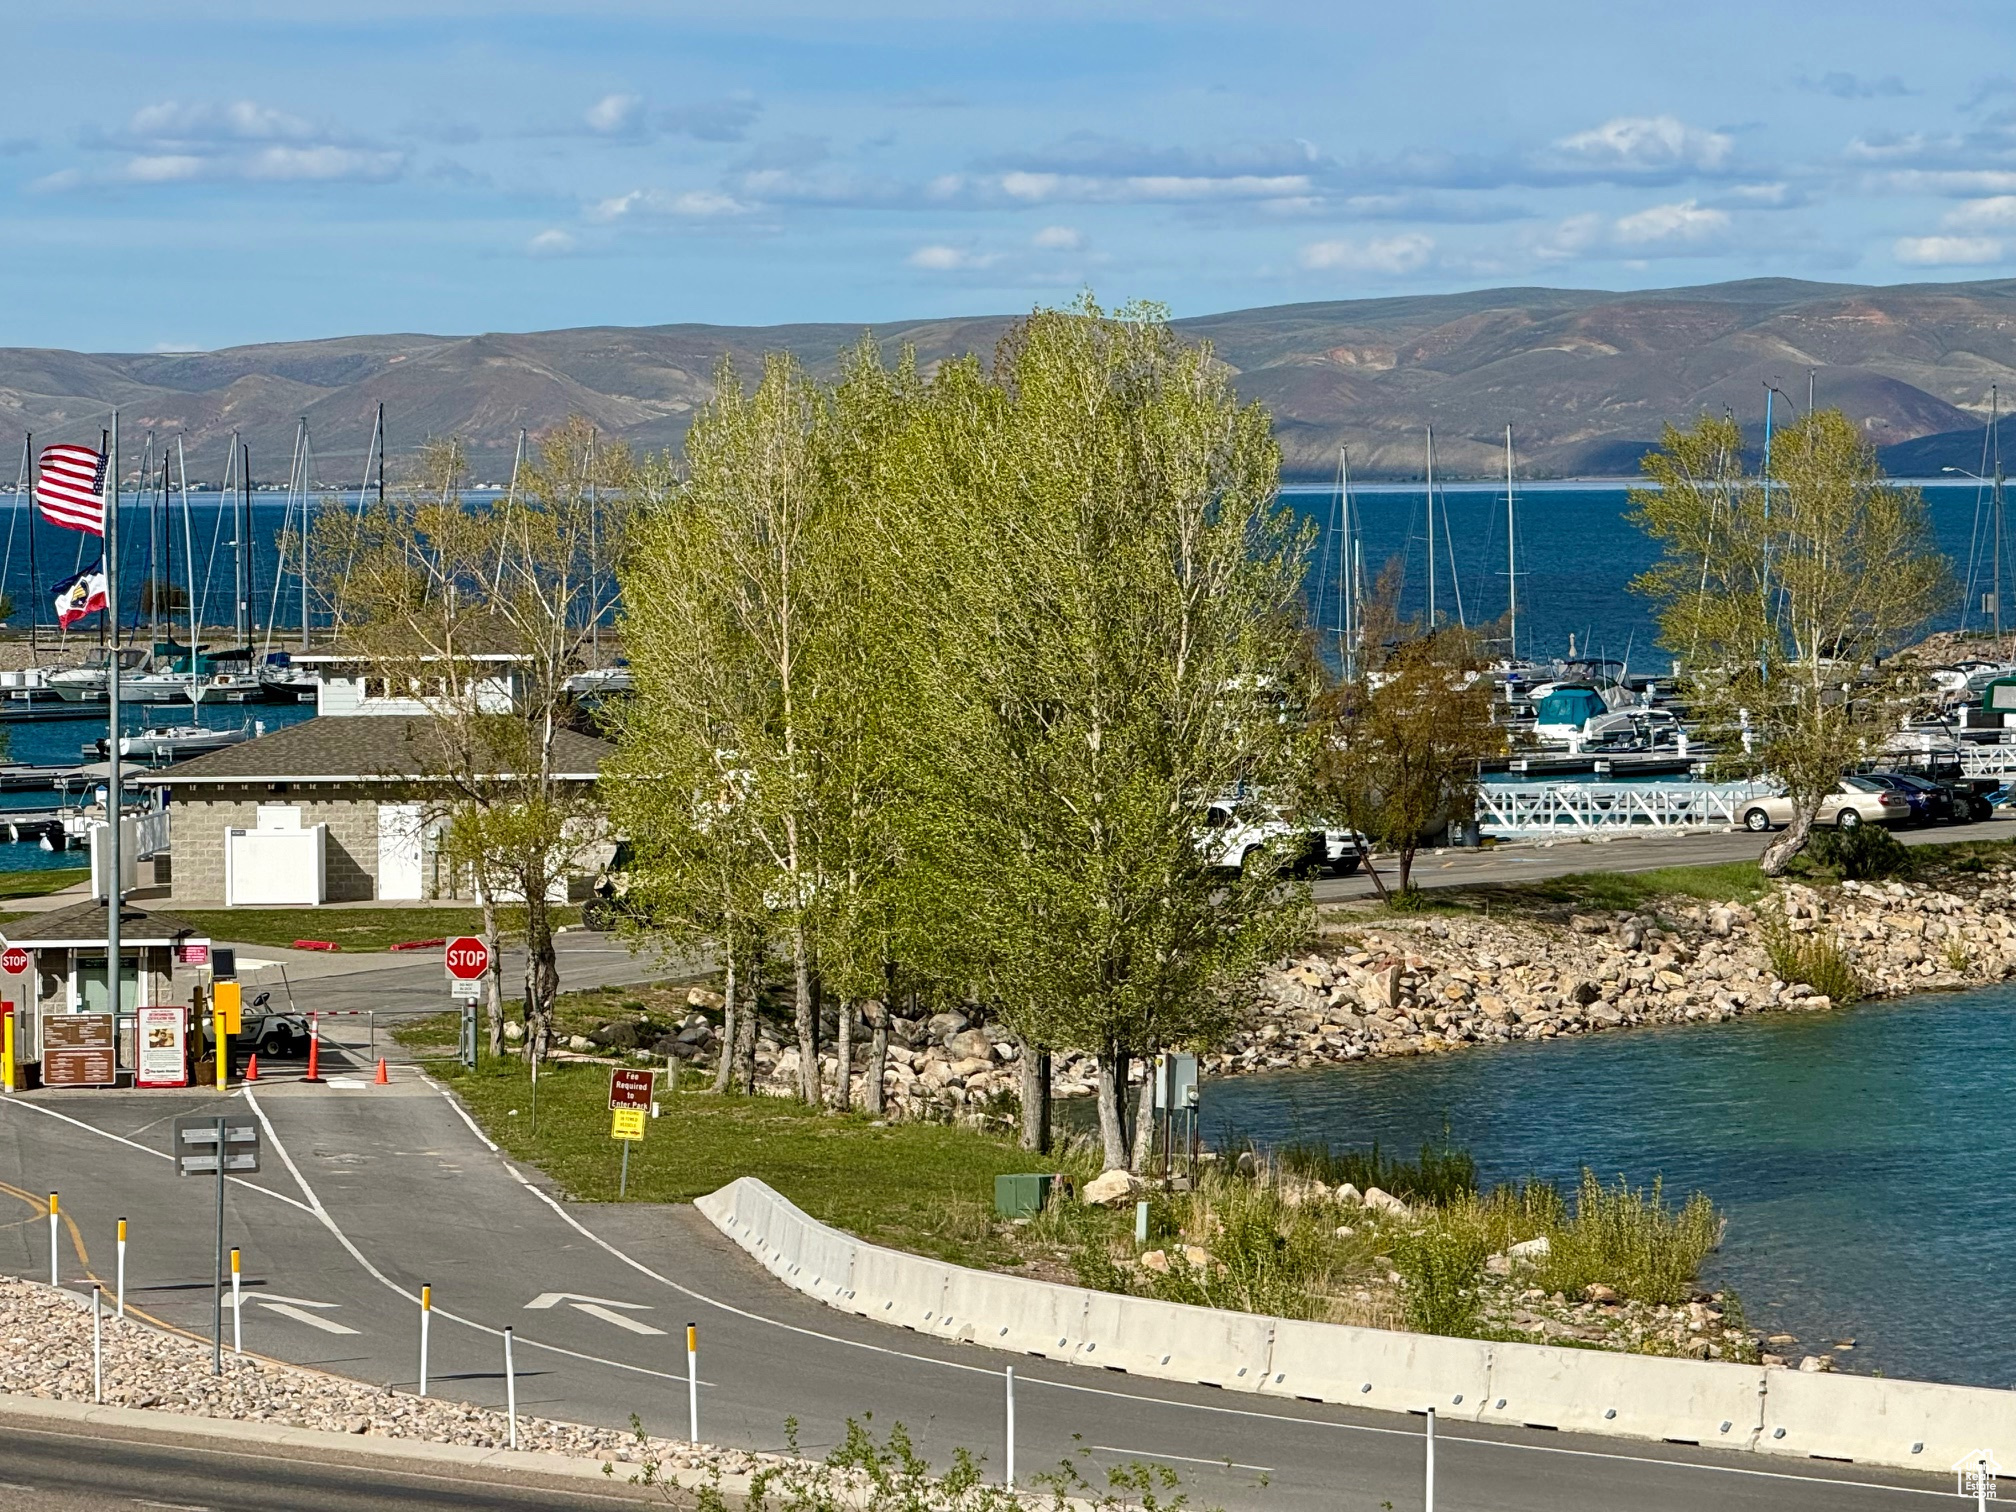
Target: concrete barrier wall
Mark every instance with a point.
(1912, 1425)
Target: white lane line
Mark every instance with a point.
(322, 1215)
(302, 1315)
(89, 1128)
(1445, 1435)
(1187, 1459)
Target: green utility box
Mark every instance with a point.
(1021, 1196)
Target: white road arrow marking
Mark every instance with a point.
(597, 1307)
(296, 1308)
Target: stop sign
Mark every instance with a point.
(14, 960)
(468, 958)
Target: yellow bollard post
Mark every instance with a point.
(7, 1050)
(223, 1049)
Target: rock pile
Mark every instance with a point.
(1428, 985)
(1418, 987)
(46, 1335)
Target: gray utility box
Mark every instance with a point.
(1021, 1196)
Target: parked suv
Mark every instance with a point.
(1858, 800)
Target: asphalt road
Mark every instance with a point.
(1510, 864)
(88, 1469)
(369, 1191)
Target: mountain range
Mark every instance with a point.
(1585, 378)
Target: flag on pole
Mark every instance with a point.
(71, 490)
(81, 596)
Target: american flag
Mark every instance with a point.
(71, 490)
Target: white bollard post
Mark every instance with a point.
(510, 1391)
(237, 1307)
(426, 1312)
(122, 1267)
(98, 1344)
(1981, 1486)
(55, 1277)
(692, 1383)
(1141, 1222)
(1009, 1478)
(1428, 1502)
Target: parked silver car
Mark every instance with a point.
(1856, 801)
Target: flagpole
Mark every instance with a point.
(115, 797)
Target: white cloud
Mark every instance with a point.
(1405, 253)
(693, 204)
(616, 115)
(1953, 181)
(1659, 225)
(551, 243)
(322, 164)
(1145, 188)
(1058, 239)
(1649, 144)
(1996, 212)
(239, 121)
(1949, 251)
(939, 258)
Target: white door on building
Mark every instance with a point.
(400, 832)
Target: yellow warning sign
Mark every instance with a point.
(627, 1123)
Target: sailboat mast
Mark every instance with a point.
(1511, 556)
(1347, 582)
(1431, 527)
(307, 456)
(34, 573)
(1995, 440)
(188, 546)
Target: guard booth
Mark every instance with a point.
(68, 1031)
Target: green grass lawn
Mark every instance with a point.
(36, 884)
(349, 928)
(928, 1188)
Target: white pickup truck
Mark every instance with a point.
(1232, 843)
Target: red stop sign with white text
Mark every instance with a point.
(468, 958)
(14, 960)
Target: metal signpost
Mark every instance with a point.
(13, 961)
(629, 1106)
(224, 1143)
(1976, 1474)
(467, 959)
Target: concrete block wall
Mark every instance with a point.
(1912, 1425)
(198, 820)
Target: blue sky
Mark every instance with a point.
(210, 173)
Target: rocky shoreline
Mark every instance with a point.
(1388, 985)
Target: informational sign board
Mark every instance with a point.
(195, 1144)
(467, 957)
(13, 960)
(468, 989)
(77, 1051)
(224, 963)
(194, 955)
(163, 1050)
(627, 1123)
(629, 1089)
(230, 1001)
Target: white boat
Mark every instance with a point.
(178, 742)
(86, 683)
(226, 687)
(154, 687)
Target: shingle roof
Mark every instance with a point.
(84, 924)
(354, 748)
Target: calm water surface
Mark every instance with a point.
(1866, 1159)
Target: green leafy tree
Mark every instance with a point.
(1401, 739)
(1782, 595)
(1096, 640)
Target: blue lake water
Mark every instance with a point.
(1577, 553)
(1866, 1159)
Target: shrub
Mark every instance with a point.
(1867, 853)
(1441, 1264)
(1443, 1174)
(1629, 1239)
(1815, 958)
(1264, 1256)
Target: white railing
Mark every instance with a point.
(1988, 760)
(1609, 807)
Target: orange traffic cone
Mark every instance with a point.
(382, 1079)
(252, 1067)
